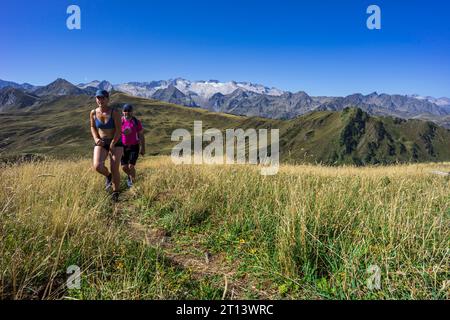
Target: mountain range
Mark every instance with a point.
(350, 136)
(239, 98)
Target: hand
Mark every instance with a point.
(99, 142)
(112, 146)
(142, 151)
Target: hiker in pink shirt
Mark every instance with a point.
(133, 141)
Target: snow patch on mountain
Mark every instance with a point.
(206, 89)
(103, 85)
(442, 102)
(202, 90)
(94, 83)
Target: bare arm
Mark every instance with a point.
(118, 126)
(94, 130)
(142, 141)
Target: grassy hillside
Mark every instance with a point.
(212, 232)
(60, 127)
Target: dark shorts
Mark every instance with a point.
(107, 142)
(130, 154)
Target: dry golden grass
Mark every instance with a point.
(307, 232)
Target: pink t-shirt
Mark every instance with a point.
(130, 131)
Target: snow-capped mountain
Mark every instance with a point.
(199, 90)
(103, 85)
(142, 89)
(207, 89)
(442, 102)
(257, 100)
(94, 83)
(241, 98)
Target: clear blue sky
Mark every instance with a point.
(321, 47)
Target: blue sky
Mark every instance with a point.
(321, 47)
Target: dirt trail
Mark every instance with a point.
(199, 265)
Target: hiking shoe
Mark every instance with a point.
(115, 196)
(129, 182)
(108, 183)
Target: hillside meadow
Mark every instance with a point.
(225, 232)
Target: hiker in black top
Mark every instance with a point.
(133, 141)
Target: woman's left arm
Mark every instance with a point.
(142, 141)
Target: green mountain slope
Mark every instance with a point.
(60, 127)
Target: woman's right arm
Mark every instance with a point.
(94, 131)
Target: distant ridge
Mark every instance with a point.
(244, 98)
(257, 100)
(59, 87)
(11, 98)
(350, 136)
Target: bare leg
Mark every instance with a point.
(115, 157)
(99, 158)
(132, 171)
(125, 169)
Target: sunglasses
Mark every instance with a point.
(101, 98)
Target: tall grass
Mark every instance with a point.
(314, 231)
(54, 215)
(309, 232)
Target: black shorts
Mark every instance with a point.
(107, 143)
(130, 154)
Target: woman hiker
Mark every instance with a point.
(133, 141)
(106, 129)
